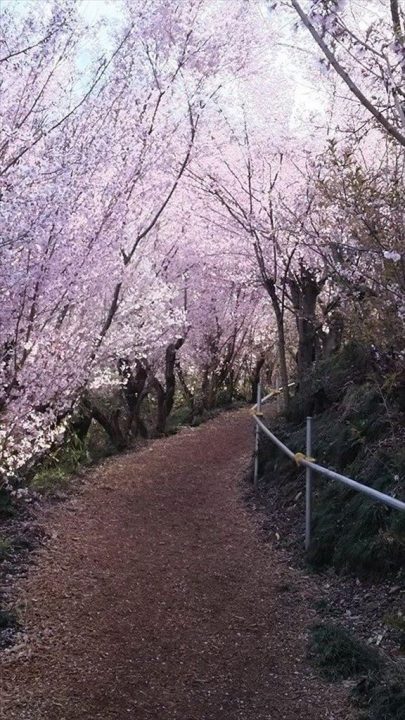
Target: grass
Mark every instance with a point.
(49, 480)
(338, 655)
(8, 626)
(397, 622)
(5, 548)
(53, 476)
(7, 619)
(179, 416)
(380, 688)
(357, 432)
(354, 533)
(381, 698)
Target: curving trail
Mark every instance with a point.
(156, 598)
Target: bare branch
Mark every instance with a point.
(390, 129)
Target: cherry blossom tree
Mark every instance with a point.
(173, 222)
(368, 57)
(89, 168)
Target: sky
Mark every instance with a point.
(281, 55)
(94, 9)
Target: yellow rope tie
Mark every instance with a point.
(254, 412)
(299, 457)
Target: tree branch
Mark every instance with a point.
(390, 129)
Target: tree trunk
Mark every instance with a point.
(111, 425)
(133, 388)
(283, 362)
(255, 378)
(161, 409)
(186, 390)
(281, 344)
(205, 389)
(332, 340)
(170, 376)
(165, 395)
(305, 290)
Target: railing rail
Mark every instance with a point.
(311, 466)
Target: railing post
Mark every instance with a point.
(278, 403)
(257, 433)
(308, 487)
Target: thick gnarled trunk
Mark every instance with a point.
(165, 393)
(305, 290)
(255, 378)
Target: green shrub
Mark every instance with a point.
(383, 697)
(7, 620)
(54, 473)
(380, 693)
(338, 655)
(179, 416)
(5, 548)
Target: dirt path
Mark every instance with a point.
(156, 598)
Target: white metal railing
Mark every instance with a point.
(310, 465)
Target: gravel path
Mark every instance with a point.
(155, 597)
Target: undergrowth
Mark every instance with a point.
(9, 625)
(5, 548)
(54, 472)
(338, 655)
(379, 690)
(357, 402)
(358, 431)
